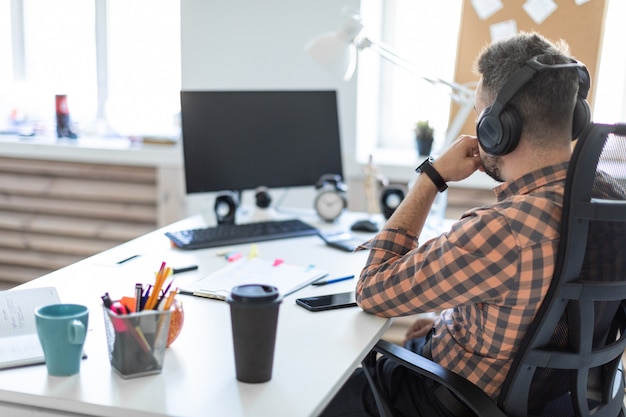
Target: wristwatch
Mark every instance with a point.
(427, 168)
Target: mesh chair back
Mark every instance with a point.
(570, 361)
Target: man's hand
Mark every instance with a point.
(460, 160)
(419, 328)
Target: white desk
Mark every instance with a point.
(315, 352)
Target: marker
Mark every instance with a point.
(138, 292)
(332, 280)
(184, 269)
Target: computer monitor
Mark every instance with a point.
(241, 140)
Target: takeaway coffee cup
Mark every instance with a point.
(254, 316)
(62, 329)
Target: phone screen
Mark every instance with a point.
(342, 240)
(328, 301)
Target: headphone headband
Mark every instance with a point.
(499, 125)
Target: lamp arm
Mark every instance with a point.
(460, 93)
(455, 127)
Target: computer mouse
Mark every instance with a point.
(364, 226)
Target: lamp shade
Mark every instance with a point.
(338, 51)
(334, 53)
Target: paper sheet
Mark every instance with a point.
(287, 278)
(539, 10)
(486, 8)
(19, 343)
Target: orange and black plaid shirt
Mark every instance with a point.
(488, 274)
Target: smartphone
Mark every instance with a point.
(328, 301)
(345, 241)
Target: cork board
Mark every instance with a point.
(579, 25)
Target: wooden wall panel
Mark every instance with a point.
(54, 213)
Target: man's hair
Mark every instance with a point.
(546, 102)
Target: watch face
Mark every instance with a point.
(329, 205)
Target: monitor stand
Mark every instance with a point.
(262, 215)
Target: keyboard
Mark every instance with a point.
(232, 234)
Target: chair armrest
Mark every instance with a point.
(468, 393)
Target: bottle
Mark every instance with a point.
(64, 129)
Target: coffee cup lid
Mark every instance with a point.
(254, 293)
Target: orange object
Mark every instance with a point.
(176, 322)
(129, 303)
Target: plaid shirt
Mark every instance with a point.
(488, 274)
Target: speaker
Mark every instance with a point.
(225, 207)
(390, 199)
(499, 126)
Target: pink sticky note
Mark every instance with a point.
(277, 262)
(234, 256)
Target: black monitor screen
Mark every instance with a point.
(240, 140)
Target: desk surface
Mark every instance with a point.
(315, 352)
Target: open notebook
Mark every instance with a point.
(287, 278)
(19, 343)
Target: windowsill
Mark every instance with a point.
(398, 165)
(91, 149)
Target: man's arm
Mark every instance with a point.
(457, 163)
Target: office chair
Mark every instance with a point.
(569, 363)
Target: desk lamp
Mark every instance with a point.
(338, 52)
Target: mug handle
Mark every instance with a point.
(76, 332)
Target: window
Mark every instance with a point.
(391, 99)
(59, 58)
(610, 99)
(144, 66)
(6, 64)
(117, 61)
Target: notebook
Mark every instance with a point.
(286, 277)
(19, 343)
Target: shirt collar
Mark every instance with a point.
(532, 181)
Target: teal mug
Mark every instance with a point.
(62, 329)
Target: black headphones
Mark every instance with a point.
(499, 126)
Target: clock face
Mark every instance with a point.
(329, 205)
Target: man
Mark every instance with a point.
(490, 272)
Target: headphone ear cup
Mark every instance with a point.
(488, 130)
(498, 134)
(582, 117)
(511, 130)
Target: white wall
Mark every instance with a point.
(252, 44)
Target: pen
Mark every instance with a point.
(332, 280)
(130, 258)
(138, 292)
(185, 269)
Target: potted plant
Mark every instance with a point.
(424, 137)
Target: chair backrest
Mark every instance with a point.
(571, 355)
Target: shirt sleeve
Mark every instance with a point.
(476, 261)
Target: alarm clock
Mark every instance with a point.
(331, 200)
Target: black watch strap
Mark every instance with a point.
(427, 168)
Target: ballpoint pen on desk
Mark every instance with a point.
(332, 280)
(184, 269)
